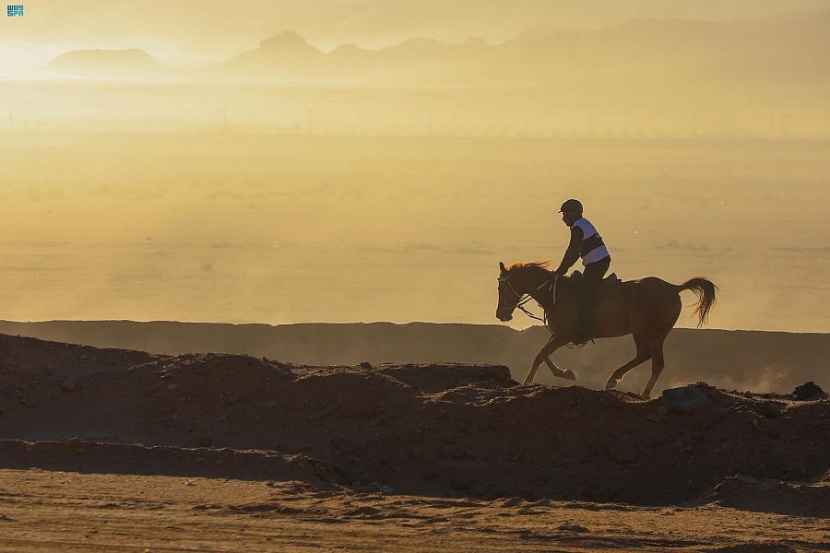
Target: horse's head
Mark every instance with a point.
(517, 281)
(509, 296)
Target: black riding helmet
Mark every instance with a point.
(572, 205)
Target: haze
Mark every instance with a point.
(186, 31)
(343, 161)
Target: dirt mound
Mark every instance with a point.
(32, 371)
(764, 361)
(33, 356)
(439, 429)
(433, 378)
(808, 499)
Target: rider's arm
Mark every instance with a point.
(572, 253)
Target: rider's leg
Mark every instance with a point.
(591, 279)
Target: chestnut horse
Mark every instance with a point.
(647, 309)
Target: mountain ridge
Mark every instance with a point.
(778, 50)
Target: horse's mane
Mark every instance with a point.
(543, 265)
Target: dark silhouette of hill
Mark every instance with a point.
(442, 429)
(761, 361)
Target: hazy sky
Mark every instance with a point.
(274, 190)
(195, 31)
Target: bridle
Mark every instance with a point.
(524, 298)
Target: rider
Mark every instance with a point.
(587, 244)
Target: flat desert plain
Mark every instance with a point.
(70, 511)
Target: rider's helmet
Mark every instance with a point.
(572, 206)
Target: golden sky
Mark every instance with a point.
(191, 32)
(204, 195)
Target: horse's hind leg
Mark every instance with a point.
(641, 341)
(655, 342)
(544, 357)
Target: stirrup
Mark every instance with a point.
(581, 339)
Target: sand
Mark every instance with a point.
(111, 450)
(65, 511)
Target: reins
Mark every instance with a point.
(523, 299)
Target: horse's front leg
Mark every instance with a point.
(544, 357)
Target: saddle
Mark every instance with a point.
(576, 276)
(571, 283)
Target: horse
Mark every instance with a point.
(647, 309)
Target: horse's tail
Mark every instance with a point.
(705, 289)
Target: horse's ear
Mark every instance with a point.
(501, 266)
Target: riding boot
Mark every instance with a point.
(585, 330)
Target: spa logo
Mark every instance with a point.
(14, 10)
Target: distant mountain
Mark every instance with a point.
(417, 60)
(106, 62)
(644, 54)
(286, 53)
(418, 47)
(665, 52)
(793, 49)
(638, 47)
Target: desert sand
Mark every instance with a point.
(68, 511)
(119, 450)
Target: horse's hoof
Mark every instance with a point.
(611, 384)
(569, 375)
